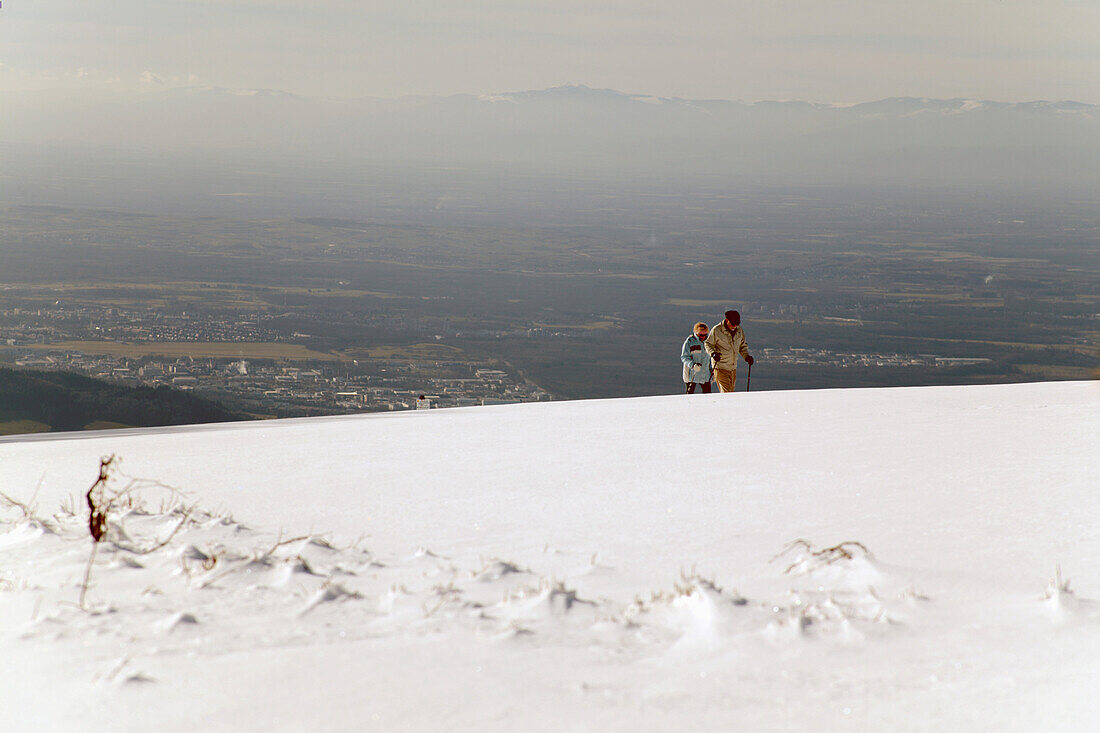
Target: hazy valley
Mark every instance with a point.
(936, 241)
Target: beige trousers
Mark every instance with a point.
(726, 379)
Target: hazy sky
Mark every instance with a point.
(819, 50)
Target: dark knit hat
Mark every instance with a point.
(733, 317)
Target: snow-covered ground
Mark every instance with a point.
(666, 563)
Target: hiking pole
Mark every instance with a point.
(748, 380)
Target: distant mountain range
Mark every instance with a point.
(580, 94)
(581, 128)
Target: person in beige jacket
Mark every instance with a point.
(725, 342)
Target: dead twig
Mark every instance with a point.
(16, 504)
(280, 543)
(826, 556)
(148, 550)
(98, 507)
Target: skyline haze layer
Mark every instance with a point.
(787, 49)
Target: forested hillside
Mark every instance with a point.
(34, 401)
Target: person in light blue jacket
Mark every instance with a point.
(698, 366)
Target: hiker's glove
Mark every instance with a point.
(717, 356)
(749, 360)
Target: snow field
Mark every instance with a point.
(588, 565)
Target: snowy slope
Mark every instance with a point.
(601, 565)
